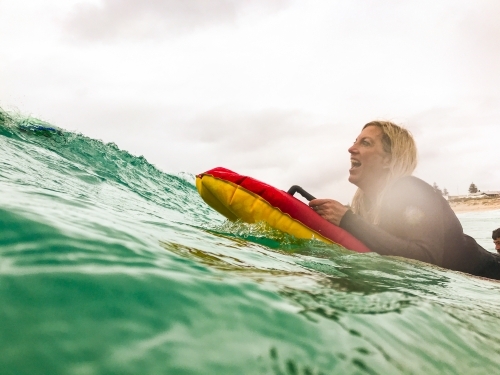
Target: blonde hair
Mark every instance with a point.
(399, 143)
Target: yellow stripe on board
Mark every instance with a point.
(236, 202)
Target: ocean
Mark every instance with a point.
(109, 265)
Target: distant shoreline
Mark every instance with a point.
(474, 205)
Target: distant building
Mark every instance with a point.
(492, 194)
(478, 195)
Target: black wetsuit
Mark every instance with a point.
(417, 222)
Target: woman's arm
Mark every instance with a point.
(423, 247)
(411, 223)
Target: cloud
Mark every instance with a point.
(248, 132)
(477, 54)
(112, 19)
(280, 147)
(456, 146)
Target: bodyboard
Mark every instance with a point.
(245, 198)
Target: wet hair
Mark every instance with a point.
(399, 144)
(496, 234)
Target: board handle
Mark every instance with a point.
(297, 189)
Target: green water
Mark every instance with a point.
(111, 266)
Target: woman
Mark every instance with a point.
(394, 213)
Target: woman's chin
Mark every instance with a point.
(352, 179)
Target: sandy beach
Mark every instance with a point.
(472, 205)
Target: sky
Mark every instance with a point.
(274, 89)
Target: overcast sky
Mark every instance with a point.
(276, 89)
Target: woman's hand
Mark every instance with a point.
(329, 209)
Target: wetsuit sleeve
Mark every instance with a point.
(411, 225)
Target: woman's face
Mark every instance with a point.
(369, 161)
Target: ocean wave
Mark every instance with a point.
(109, 265)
